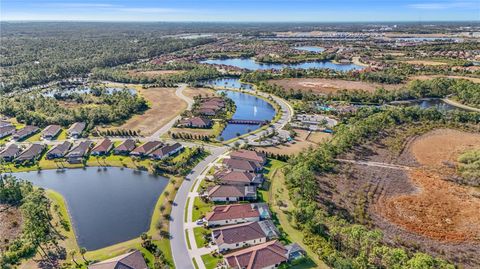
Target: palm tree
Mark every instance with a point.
(72, 253)
(83, 251)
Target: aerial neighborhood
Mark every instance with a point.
(243, 145)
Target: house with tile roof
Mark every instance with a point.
(125, 147)
(131, 260)
(231, 193)
(263, 256)
(235, 213)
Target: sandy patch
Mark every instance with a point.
(192, 92)
(440, 210)
(442, 146)
(326, 86)
(10, 224)
(164, 106)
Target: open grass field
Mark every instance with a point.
(164, 106)
(192, 92)
(327, 86)
(302, 141)
(425, 62)
(153, 73)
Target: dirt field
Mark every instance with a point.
(164, 106)
(301, 143)
(440, 210)
(192, 92)
(10, 224)
(476, 80)
(326, 86)
(443, 146)
(425, 62)
(421, 208)
(154, 73)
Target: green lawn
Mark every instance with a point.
(199, 233)
(34, 138)
(210, 261)
(187, 237)
(200, 208)
(62, 135)
(195, 263)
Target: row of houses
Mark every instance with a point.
(75, 153)
(49, 133)
(245, 232)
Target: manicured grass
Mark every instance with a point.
(199, 236)
(185, 217)
(195, 263)
(210, 261)
(60, 213)
(200, 208)
(34, 138)
(62, 135)
(269, 173)
(187, 237)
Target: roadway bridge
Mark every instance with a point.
(252, 122)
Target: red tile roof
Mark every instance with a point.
(235, 211)
(249, 155)
(235, 177)
(257, 257)
(238, 233)
(103, 146)
(132, 260)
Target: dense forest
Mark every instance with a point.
(37, 55)
(98, 108)
(339, 241)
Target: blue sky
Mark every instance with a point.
(241, 10)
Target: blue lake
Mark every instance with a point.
(250, 64)
(107, 206)
(249, 107)
(310, 49)
(229, 83)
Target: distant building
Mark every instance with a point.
(268, 255)
(7, 130)
(59, 151)
(145, 149)
(51, 131)
(25, 132)
(76, 130)
(32, 153)
(231, 193)
(166, 151)
(102, 147)
(132, 260)
(125, 148)
(10, 152)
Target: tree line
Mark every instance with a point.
(339, 241)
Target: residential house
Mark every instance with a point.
(249, 155)
(4, 123)
(25, 132)
(146, 148)
(207, 112)
(238, 178)
(51, 131)
(166, 151)
(231, 193)
(196, 122)
(242, 165)
(7, 130)
(131, 260)
(78, 152)
(76, 130)
(243, 235)
(236, 213)
(10, 152)
(59, 151)
(268, 255)
(102, 147)
(32, 153)
(125, 148)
